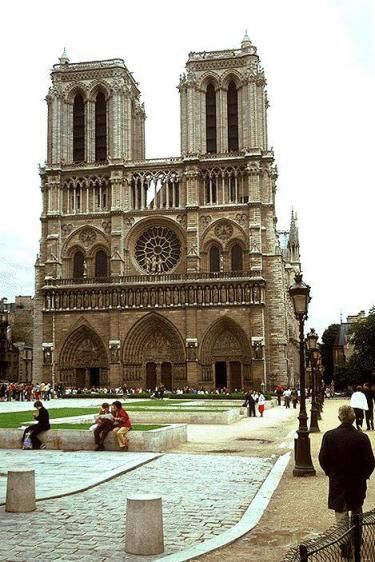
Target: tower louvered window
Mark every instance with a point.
(232, 107)
(78, 129)
(100, 128)
(214, 259)
(101, 264)
(211, 119)
(78, 265)
(236, 258)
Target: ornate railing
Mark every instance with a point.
(188, 293)
(154, 279)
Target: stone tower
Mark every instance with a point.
(167, 270)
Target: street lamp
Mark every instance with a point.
(300, 295)
(312, 346)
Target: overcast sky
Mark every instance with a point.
(319, 65)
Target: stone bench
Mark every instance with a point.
(155, 440)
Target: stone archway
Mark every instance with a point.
(225, 356)
(83, 359)
(150, 345)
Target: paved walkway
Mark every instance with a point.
(203, 495)
(59, 473)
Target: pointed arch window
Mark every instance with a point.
(100, 128)
(214, 259)
(78, 129)
(101, 264)
(78, 265)
(211, 141)
(232, 108)
(236, 258)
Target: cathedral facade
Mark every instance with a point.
(167, 270)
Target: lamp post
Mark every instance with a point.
(3, 339)
(300, 295)
(312, 345)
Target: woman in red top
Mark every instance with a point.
(122, 424)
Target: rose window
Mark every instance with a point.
(157, 250)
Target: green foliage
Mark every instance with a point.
(361, 366)
(363, 339)
(326, 349)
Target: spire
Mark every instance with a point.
(293, 231)
(245, 43)
(293, 241)
(64, 59)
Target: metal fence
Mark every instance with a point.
(338, 543)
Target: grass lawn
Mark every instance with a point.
(15, 419)
(87, 425)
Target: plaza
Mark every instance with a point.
(209, 487)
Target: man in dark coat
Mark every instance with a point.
(347, 459)
(369, 393)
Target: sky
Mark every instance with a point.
(318, 57)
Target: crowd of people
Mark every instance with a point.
(45, 391)
(26, 391)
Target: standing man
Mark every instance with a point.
(359, 404)
(347, 459)
(369, 393)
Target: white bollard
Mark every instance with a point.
(20, 490)
(144, 525)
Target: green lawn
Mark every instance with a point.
(87, 425)
(15, 419)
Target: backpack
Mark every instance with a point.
(27, 443)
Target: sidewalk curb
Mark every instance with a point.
(248, 521)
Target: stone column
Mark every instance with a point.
(20, 496)
(144, 525)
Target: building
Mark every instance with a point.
(343, 347)
(16, 339)
(167, 270)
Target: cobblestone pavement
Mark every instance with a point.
(57, 472)
(202, 497)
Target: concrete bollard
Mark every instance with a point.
(144, 525)
(20, 490)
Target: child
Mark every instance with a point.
(122, 424)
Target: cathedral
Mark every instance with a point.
(171, 270)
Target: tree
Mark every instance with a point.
(326, 349)
(363, 339)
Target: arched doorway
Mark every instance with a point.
(154, 354)
(166, 375)
(225, 356)
(83, 361)
(221, 379)
(151, 380)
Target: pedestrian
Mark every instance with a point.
(359, 404)
(250, 403)
(279, 393)
(42, 418)
(347, 459)
(294, 397)
(122, 424)
(286, 394)
(261, 403)
(370, 395)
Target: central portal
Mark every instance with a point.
(221, 379)
(150, 376)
